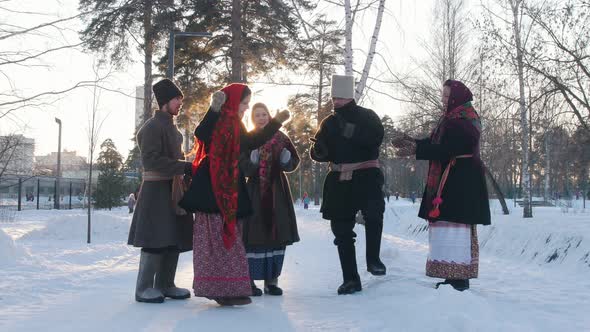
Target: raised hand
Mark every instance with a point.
(282, 116)
(217, 100)
(320, 149)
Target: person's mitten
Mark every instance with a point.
(285, 156)
(254, 156)
(217, 100)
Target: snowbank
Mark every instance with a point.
(72, 226)
(552, 236)
(10, 252)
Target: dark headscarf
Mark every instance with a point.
(460, 94)
(459, 107)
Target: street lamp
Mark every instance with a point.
(171, 43)
(170, 69)
(58, 177)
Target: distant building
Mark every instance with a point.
(16, 155)
(70, 162)
(81, 174)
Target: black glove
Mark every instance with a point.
(319, 148)
(188, 168)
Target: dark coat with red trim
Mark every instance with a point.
(465, 195)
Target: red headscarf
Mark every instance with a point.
(224, 153)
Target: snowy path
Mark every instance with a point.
(63, 285)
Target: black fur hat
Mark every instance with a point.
(165, 91)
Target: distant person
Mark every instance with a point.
(413, 197)
(306, 201)
(131, 202)
(397, 195)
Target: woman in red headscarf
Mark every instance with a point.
(455, 198)
(219, 198)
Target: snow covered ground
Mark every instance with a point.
(534, 276)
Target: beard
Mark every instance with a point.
(170, 110)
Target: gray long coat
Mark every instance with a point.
(155, 224)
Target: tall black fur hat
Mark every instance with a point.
(165, 91)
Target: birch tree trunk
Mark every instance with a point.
(547, 166)
(348, 39)
(371, 54)
(527, 212)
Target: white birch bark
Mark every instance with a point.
(527, 211)
(348, 39)
(371, 54)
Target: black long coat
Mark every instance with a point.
(342, 199)
(465, 195)
(200, 195)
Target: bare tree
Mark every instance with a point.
(349, 20)
(348, 57)
(48, 37)
(563, 56)
(360, 88)
(12, 154)
(516, 8)
(95, 122)
(445, 59)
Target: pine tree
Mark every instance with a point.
(111, 181)
(300, 128)
(115, 27)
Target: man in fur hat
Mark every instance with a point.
(349, 139)
(159, 226)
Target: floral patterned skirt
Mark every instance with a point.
(219, 272)
(453, 251)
